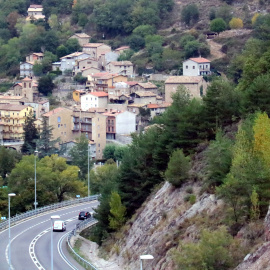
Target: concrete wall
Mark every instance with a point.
(125, 123)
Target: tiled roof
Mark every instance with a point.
(93, 45)
(88, 59)
(136, 105)
(26, 79)
(144, 94)
(11, 97)
(73, 54)
(99, 94)
(121, 63)
(39, 54)
(113, 113)
(147, 85)
(184, 79)
(131, 83)
(122, 48)
(12, 107)
(54, 111)
(200, 60)
(155, 106)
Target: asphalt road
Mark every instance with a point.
(31, 241)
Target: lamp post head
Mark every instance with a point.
(146, 257)
(11, 194)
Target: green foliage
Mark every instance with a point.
(117, 212)
(190, 14)
(178, 168)
(56, 181)
(126, 55)
(222, 105)
(218, 25)
(219, 159)
(136, 42)
(80, 79)
(255, 209)
(225, 12)
(8, 160)
(212, 251)
(113, 151)
(79, 155)
(144, 30)
(45, 85)
(45, 145)
(30, 134)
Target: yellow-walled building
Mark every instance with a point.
(12, 119)
(77, 95)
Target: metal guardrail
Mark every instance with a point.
(14, 219)
(78, 258)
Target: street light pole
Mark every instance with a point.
(52, 218)
(88, 172)
(9, 253)
(35, 203)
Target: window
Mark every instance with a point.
(99, 145)
(98, 135)
(59, 119)
(86, 98)
(59, 125)
(193, 67)
(112, 129)
(186, 67)
(65, 125)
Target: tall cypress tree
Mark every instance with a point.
(45, 145)
(30, 134)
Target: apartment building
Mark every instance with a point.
(93, 126)
(94, 100)
(12, 119)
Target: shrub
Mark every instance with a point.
(236, 23)
(218, 25)
(178, 168)
(192, 198)
(190, 14)
(189, 190)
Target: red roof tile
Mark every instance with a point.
(200, 60)
(99, 94)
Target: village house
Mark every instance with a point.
(195, 85)
(141, 122)
(120, 67)
(12, 119)
(26, 69)
(93, 126)
(196, 67)
(77, 95)
(119, 123)
(148, 86)
(15, 100)
(60, 120)
(103, 81)
(157, 109)
(95, 50)
(94, 100)
(143, 97)
(34, 57)
(82, 38)
(119, 89)
(39, 107)
(84, 64)
(68, 61)
(35, 12)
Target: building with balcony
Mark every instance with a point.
(12, 119)
(196, 67)
(94, 100)
(119, 123)
(93, 126)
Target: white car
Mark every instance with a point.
(59, 225)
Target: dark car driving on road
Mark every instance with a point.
(84, 215)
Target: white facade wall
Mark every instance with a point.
(191, 68)
(69, 63)
(91, 101)
(125, 123)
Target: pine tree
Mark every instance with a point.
(117, 212)
(45, 145)
(30, 134)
